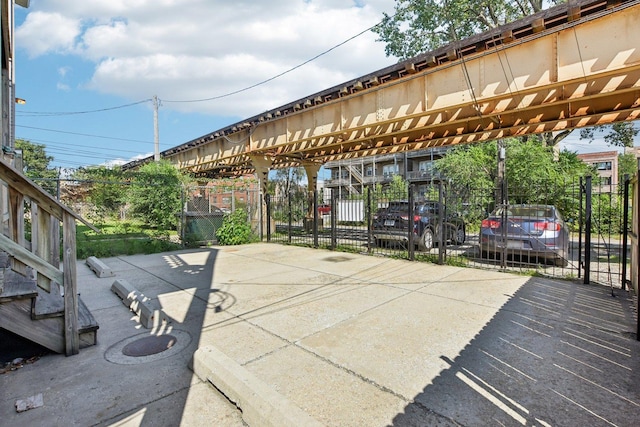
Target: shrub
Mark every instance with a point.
(235, 229)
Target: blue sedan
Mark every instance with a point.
(526, 231)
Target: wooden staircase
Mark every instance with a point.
(36, 314)
(38, 297)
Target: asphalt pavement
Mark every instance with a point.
(337, 339)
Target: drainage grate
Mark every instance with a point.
(149, 345)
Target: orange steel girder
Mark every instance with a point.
(585, 73)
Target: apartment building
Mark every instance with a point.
(605, 164)
(351, 177)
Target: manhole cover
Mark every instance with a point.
(145, 348)
(338, 258)
(149, 345)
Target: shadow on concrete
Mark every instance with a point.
(557, 353)
(184, 283)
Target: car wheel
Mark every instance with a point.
(459, 236)
(426, 240)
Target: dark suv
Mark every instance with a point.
(392, 224)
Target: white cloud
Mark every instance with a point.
(195, 49)
(44, 33)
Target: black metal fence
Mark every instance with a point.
(575, 231)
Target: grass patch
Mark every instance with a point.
(122, 238)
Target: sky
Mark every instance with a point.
(88, 70)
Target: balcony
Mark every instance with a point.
(423, 176)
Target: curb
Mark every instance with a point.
(260, 404)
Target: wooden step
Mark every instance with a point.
(87, 325)
(17, 287)
(48, 304)
(15, 316)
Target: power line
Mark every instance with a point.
(56, 144)
(70, 113)
(235, 92)
(84, 134)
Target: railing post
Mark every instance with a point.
(71, 336)
(16, 216)
(42, 242)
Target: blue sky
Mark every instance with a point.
(79, 57)
(74, 58)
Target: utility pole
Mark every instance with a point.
(156, 135)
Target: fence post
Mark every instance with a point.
(442, 240)
(580, 229)
(587, 226)
(411, 225)
(315, 219)
(369, 214)
(267, 200)
(625, 229)
(333, 215)
(636, 226)
(290, 217)
(182, 218)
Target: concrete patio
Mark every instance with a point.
(351, 340)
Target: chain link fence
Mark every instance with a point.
(203, 207)
(206, 206)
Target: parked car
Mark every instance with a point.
(526, 231)
(392, 224)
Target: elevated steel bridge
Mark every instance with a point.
(575, 65)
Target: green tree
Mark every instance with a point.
(532, 173)
(107, 189)
(155, 194)
(419, 26)
(620, 134)
(627, 165)
(36, 165)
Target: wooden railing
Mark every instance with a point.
(41, 253)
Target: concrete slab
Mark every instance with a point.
(319, 309)
(350, 339)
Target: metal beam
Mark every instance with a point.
(564, 68)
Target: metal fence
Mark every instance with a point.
(575, 231)
(449, 224)
(202, 213)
